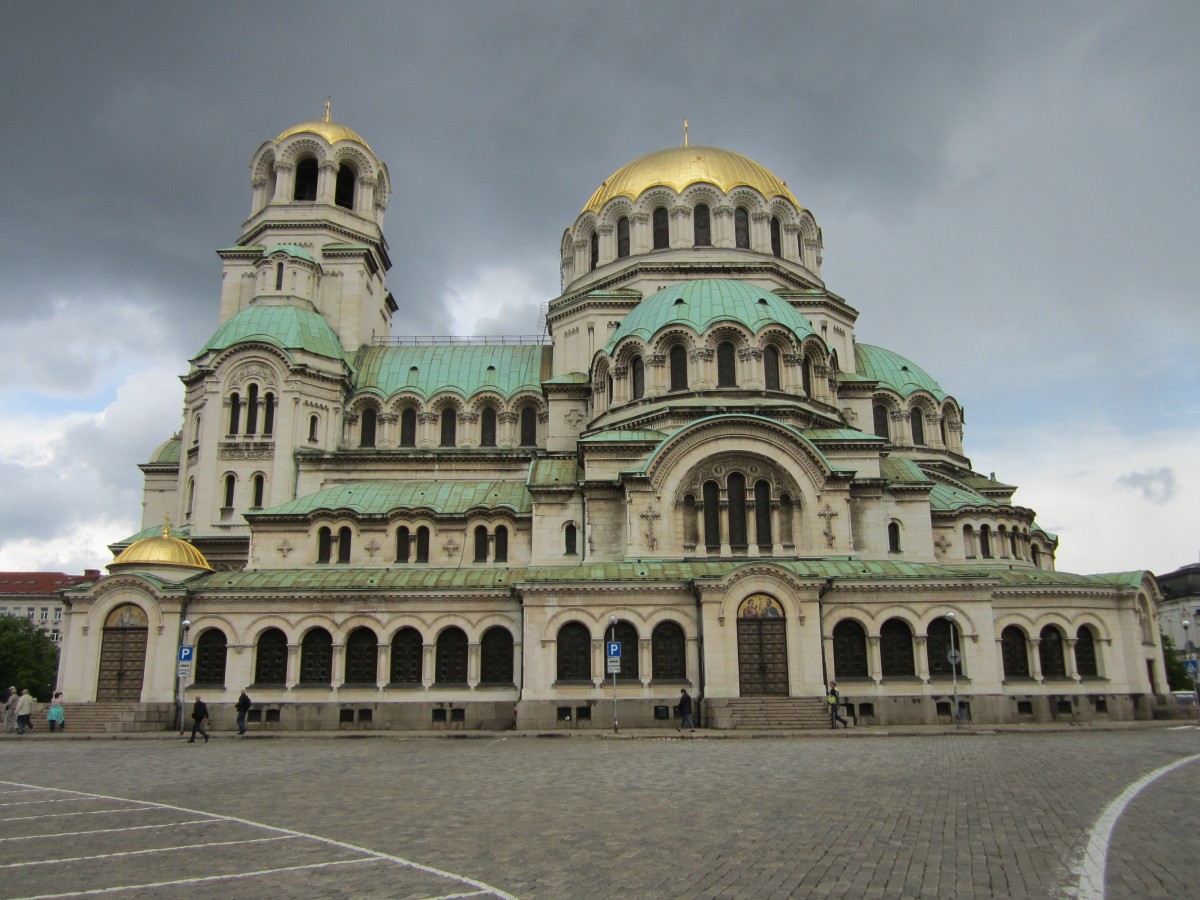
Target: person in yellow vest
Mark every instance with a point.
(834, 700)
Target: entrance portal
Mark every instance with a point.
(123, 655)
(762, 647)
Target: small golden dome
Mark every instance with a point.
(331, 131)
(163, 550)
(680, 167)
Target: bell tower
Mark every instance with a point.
(314, 238)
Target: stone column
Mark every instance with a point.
(680, 219)
(640, 235)
(751, 527)
(473, 665)
(383, 673)
(293, 665)
(723, 517)
(1069, 658)
(598, 661)
(922, 657)
(284, 182)
(428, 663)
(722, 225)
(326, 181)
(645, 661)
(874, 662)
(1035, 659)
(337, 666)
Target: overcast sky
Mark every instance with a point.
(1008, 195)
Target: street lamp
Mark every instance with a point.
(1190, 657)
(612, 636)
(184, 627)
(954, 656)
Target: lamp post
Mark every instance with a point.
(612, 636)
(1190, 657)
(184, 628)
(953, 656)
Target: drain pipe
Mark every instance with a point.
(695, 589)
(821, 627)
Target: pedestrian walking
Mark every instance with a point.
(685, 711)
(243, 707)
(835, 700)
(24, 712)
(10, 709)
(199, 717)
(56, 716)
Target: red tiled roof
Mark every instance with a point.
(39, 582)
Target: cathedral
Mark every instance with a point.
(696, 478)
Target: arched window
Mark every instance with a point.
(896, 649)
(422, 544)
(496, 656)
(312, 428)
(316, 657)
(893, 537)
(668, 652)
(880, 415)
(594, 253)
(252, 409)
(609, 382)
(481, 543)
(741, 228)
(306, 180)
(402, 544)
(450, 657)
(806, 382)
(985, 541)
(662, 230)
(833, 361)
(1050, 652)
(406, 656)
(726, 367)
(408, 427)
(260, 485)
(762, 514)
(1012, 544)
(191, 497)
(235, 412)
(279, 276)
(702, 226)
(269, 414)
(1014, 652)
(324, 545)
(487, 427)
(528, 426)
(366, 434)
(637, 375)
(849, 650)
(1085, 653)
(968, 542)
(270, 662)
(679, 372)
(938, 644)
(945, 435)
(771, 368)
(1035, 554)
(210, 658)
(343, 191)
(501, 542)
(785, 519)
(625, 634)
(690, 536)
(230, 483)
(800, 247)
(344, 544)
(449, 427)
(571, 540)
(776, 239)
(736, 488)
(712, 517)
(573, 649)
(622, 237)
(918, 427)
(362, 657)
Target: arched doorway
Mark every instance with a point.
(123, 654)
(762, 647)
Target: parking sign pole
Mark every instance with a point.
(612, 636)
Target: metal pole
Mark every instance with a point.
(954, 671)
(612, 632)
(1190, 656)
(184, 628)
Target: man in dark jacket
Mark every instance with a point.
(243, 707)
(199, 716)
(685, 711)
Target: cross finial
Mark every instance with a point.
(327, 105)
(685, 136)
(166, 526)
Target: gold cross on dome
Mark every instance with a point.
(327, 105)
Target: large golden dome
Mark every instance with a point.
(679, 167)
(162, 550)
(331, 131)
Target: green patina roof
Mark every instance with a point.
(380, 497)
(706, 302)
(617, 436)
(840, 434)
(645, 466)
(549, 472)
(897, 468)
(345, 578)
(946, 497)
(463, 369)
(167, 452)
(894, 371)
(291, 250)
(183, 531)
(286, 327)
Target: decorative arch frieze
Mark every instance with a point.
(295, 150)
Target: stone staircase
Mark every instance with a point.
(768, 713)
(114, 718)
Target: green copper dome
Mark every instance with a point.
(704, 302)
(894, 371)
(286, 327)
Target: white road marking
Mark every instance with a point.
(1094, 859)
(481, 887)
(85, 812)
(59, 834)
(51, 800)
(51, 862)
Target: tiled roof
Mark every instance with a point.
(897, 468)
(894, 371)
(549, 472)
(39, 582)
(945, 497)
(286, 327)
(381, 497)
(167, 452)
(463, 369)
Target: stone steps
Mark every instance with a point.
(769, 713)
(113, 718)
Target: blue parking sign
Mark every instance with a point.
(185, 654)
(614, 649)
(1192, 666)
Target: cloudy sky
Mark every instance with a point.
(1007, 193)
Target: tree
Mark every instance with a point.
(1177, 677)
(28, 658)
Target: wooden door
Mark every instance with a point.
(123, 655)
(762, 657)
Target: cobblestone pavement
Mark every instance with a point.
(939, 815)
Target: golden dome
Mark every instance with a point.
(163, 550)
(331, 131)
(679, 167)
